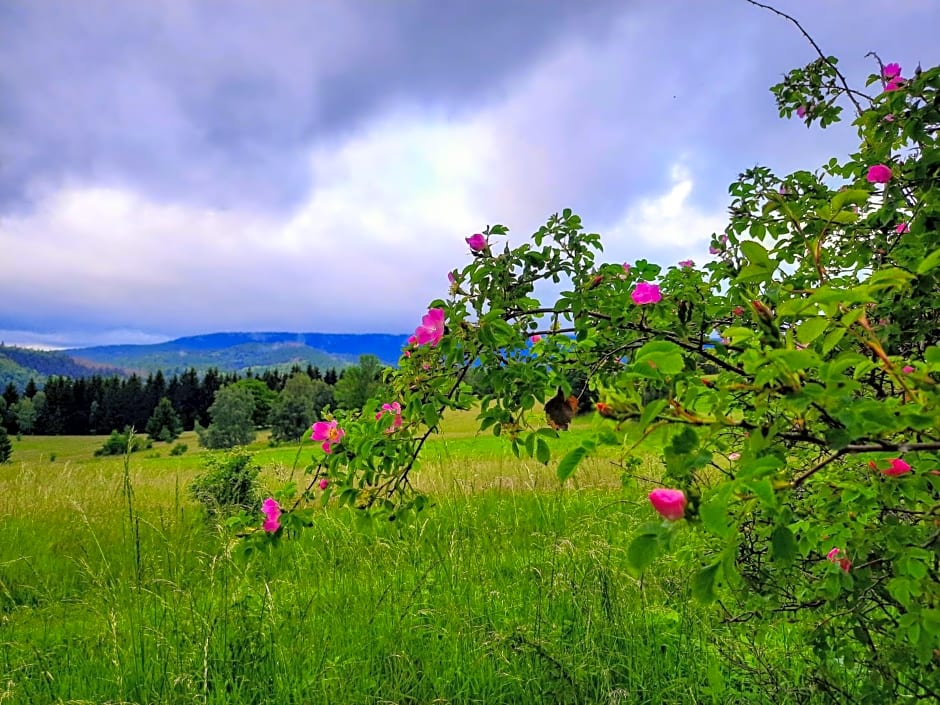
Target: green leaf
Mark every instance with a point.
(662, 355)
(810, 329)
(764, 490)
(430, 415)
(570, 462)
(703, 584)
(714, 512)
(929, 262)
(844, 217)
(753, 272)
(832, 339)
(643, 551)
(651, 411)
(856, 197)
(757, 255)
(542, 452)
(784, 544)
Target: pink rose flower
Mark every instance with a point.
(889, 117)
(646, 293)
(907, 369)
(477, 242)
(801, 111)
(879, 174)
(669, 503)
(897, 467)
(272, 511)
(686, 264)
(893, 86)
(431, 329)
(626, 267)
(328, 432)
(902, 228)
(535, 338)
(891, 71)
(324, 483)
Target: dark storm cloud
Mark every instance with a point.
(218, 103)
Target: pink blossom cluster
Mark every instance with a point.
(431, 329)
(891, 74)
(272, 512)
(646, 293)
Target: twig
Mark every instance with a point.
(845, 84)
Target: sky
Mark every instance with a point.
(178, 167)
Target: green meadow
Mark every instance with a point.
(510, 588)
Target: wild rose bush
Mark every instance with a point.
(790, 385)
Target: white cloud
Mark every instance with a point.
(667, 224)
(366, 251)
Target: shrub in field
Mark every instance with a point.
(117, 443)
(790, 385)
(229, 483)
(179, 449)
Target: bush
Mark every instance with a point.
(116, 444)
(230, 483)
(179, 449)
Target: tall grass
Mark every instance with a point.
(510, 589)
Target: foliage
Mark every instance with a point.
(297, 406)
(263, 398)
(26, 412)
(164, 424)
(229, 484)
(232, 415)
(789, 385)
(6, 446)
(179, 449)
(360, 383)
(117, 443)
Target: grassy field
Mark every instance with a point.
(510, 589)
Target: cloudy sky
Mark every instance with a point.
(175, 167)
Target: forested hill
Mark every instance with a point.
(18, 365)
(226, 352)
(238, 352)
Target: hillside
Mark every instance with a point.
(18, 365)
(228, 352)
(241, 351)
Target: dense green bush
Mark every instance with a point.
(117, 443)
(229, 483)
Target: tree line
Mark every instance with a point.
(101, 404)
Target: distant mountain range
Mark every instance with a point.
(231, 352)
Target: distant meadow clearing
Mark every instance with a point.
(509, 588)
